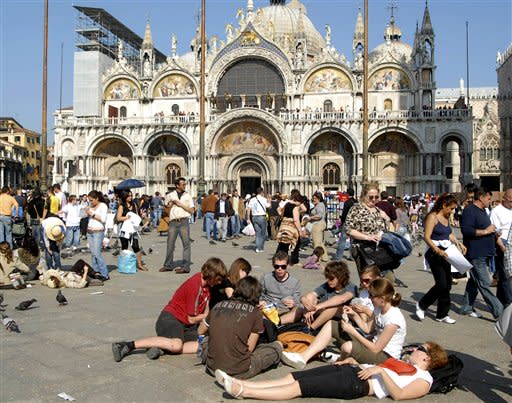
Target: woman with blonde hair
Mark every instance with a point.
(365, 221)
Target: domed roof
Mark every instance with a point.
(285, 23)
(398, 49)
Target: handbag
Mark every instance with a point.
(380, 255)
(398, 366)
(127, 262)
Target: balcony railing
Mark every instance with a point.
(287, 117)
(129, 121)
(438, 114)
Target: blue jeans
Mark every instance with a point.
(340, 249)
(210, 225)
(222, 225)
(72, 236)
(95, 240)
(6, 229)
(53, 259)
(235, 224)
(479, 281)
(260, 227)
(181, 228)
(156, 215)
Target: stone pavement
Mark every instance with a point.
(68, 349)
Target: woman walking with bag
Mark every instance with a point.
(290, 229)
(124, 213)
(438, 237)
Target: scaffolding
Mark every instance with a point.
(98, 30)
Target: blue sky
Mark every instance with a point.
(21, 38)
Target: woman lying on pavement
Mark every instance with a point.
(347, 379)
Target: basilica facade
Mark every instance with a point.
(283, 111)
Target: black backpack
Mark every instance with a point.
(447, 377)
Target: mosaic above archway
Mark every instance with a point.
(394, 143)
(246, 136)
(173, 86)
(330, 143)
(113, 148)
(328, 80)
(122, 89)
(167, 145)
(389, 79)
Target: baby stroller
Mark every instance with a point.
(19, 230)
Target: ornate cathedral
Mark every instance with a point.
(283, 109)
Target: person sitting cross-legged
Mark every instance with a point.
(176, 327)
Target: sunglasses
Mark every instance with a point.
(423, 349)
(373, 197)
(280, 266)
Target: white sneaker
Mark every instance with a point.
(420, 313)
(258, 251)
(475, 314)
(447, 319)
(293, 360)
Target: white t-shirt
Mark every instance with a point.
(258, 205)
(392, 317)
(98, 220)
(379, 388)
(501, 217)
(72, 213)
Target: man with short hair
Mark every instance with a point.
(257, 207)
(238, 211)
(282, 289)
(157, 204)
(7, 202)
(501, 217)
(479, 238)
(223, 211)
(182, 206)
(208, 206)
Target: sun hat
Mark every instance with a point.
(55, 229)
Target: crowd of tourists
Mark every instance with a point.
(362, 315)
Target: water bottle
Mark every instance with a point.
(200, 341)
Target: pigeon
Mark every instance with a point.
(2, 305)
(10, 324)
(234, 243)
(61, 299)
(24, 305)
(150, 250)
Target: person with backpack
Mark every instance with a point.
(346, 380)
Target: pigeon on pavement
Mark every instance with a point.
(24, 305)
(61, 299)
(10, 324)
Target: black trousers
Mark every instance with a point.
(440, 292)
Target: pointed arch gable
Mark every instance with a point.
(341, 79)
(174, 83)
(121, 87)
(390, 77)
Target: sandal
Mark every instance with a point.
(142, 268)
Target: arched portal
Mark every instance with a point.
(393, 162)
(112, 158)
(335, 155)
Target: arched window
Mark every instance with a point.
(490, 149)
(122, 111)
(331, 174)
(172, 172)
(388, 105)
(328, 106)
(175, 109)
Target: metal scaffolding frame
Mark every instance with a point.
(97, 30)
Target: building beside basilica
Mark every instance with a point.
(283, 109)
